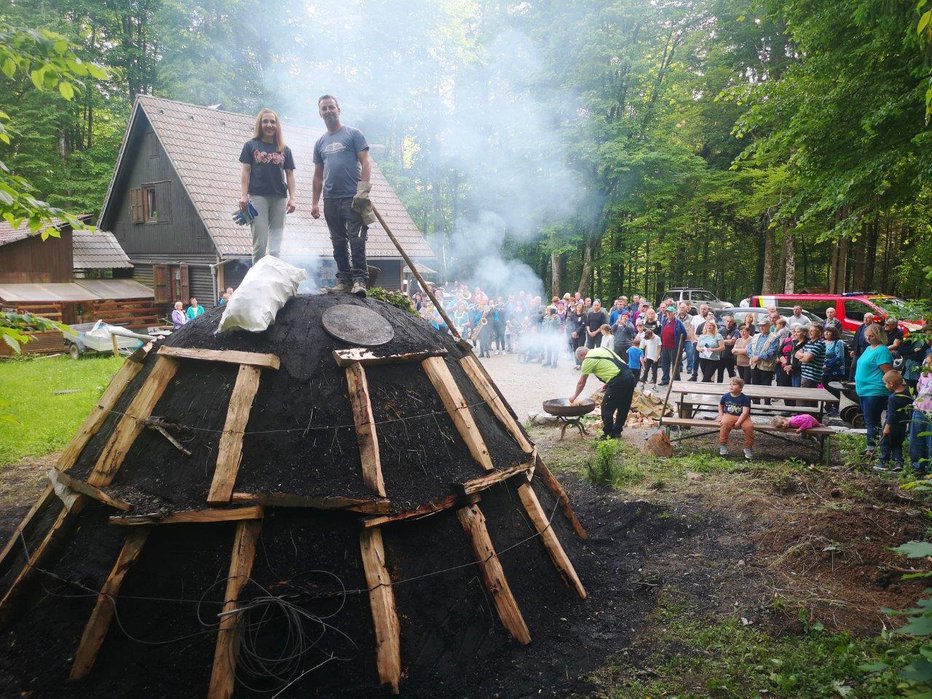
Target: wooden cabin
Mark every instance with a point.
(78, 277)
(176, 186)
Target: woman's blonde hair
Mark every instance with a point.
(705, 328)
(279, 137)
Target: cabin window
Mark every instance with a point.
(151, 203)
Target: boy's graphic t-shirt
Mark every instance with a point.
(733, 405)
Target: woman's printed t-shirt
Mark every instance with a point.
(734, 405)
(266, 168)
(868, 378)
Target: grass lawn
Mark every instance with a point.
(34, 420)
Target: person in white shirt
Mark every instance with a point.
(650, 343)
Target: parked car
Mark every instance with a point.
(849, 308)
(758, 312)
(696, 296)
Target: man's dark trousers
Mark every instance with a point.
(348, 235)
(617, 399)
(666, 362)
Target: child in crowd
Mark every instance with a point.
(800, 423)
(608, 340)
(635, 357)
(650, 343)
(734, 410)
(896, 425)
(920, 428)
(508, 336)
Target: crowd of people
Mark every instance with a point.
(676, 340)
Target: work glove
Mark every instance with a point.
(361, 203)
(243, 217)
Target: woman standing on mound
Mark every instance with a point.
(267, 180)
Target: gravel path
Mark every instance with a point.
(527, 386)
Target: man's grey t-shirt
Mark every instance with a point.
(337, 152)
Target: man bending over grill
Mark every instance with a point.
(619, 382)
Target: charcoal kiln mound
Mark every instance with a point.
(251, 513)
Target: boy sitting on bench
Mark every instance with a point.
(734, 410)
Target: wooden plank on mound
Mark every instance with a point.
(90, 491)
(553, 485)
(366, 436)
(192, 517)
(549, 538)
(6, 556)
(95, 631)
(382, 604)
(223, 672)
(230, 450)
(57, 530)
(431, 508)
(317, 502)
(439, 374)
(474, 371)
(98, 415)
(366, 357)
(493, 576)
(481, 483)
(270, 361)
(133, 422)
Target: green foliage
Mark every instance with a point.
(397, 299)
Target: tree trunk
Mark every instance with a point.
(556, 274)
(839, 270)
(768, 285)
(789, 261)
(585, 275)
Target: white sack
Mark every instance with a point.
(266, 287)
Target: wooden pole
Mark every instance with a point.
(487, 391)
(493, 575)
(132, 423)
(553, 485)
(95, 631)
(223, 672)
(230, 450)
(116, 345)
(382, 604)
(98, 414)
(549, 538)
(358, 389)
(417, 275)
(439, 374)
(6, 556)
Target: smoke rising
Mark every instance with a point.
(413, 71)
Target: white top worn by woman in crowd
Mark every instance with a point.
(710, 346)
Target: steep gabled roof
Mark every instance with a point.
(203, 146)
(91, 250)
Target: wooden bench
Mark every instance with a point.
(822, 435)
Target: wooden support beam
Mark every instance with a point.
(230, 451)
(323, 502)
(481, 483)
(366, 436)
(132, 423)
(549, 538)
(192, 516)
(270, 361)
(553, 485)
(431, 508)
(382, 604)
(223, 672)
(78, 486)
(15, 543)
(54, 534)
(367, 357)
(439, 374)
(493, 576)
(95, 631)
(474, 371)
(98, 414)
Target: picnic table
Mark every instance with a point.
(693, 397)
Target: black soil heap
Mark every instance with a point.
(308, 627)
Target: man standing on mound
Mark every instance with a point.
(342, 173)
(619, 382)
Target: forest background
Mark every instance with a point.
(609, 146)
